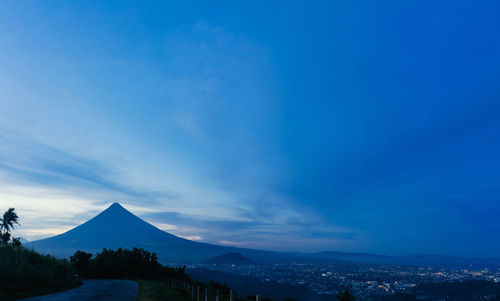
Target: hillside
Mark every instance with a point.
(25, 273)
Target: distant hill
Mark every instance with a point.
(25, 273)
(23, 240)
(230, 258)
(444, 261)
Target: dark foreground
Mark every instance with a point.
(98, 290)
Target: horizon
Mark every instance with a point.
(285, 126)
(115, 205)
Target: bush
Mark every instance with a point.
(81, 263)
(124, 264)
(25, 273)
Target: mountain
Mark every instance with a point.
(230, 258)
(116, 227)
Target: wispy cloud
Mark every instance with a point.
(55, 191)
(308, 232)
(26, 161)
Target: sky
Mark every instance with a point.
(363, 126)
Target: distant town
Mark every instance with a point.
(361, 279)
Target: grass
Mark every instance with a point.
(26, 273)
(150, 290)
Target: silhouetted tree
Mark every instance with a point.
(9, 219)
(7, 223)
(81, 262)
(16, 241)
(5, 237)
(124, 264)
(345, 296)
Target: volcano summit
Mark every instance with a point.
(116, 227)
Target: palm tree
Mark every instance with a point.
(345, 296)
(9, 219)
(6, 224)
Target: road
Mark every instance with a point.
(95, 290)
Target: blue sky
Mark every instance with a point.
(337, 125)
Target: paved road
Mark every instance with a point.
(95, 290)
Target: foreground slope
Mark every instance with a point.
(25, 273)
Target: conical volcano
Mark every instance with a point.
(115, 228)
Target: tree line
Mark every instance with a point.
(124, 264)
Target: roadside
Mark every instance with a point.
(150, 290)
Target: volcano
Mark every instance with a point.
(116, 227)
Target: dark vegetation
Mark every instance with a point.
(7, 222)
(25, 273)
(124, 264)
(345, 296)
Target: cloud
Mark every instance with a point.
(234, 243)
(26, 161)
(55, 191)
(187, 140)
(192, 237)
(257, 233)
